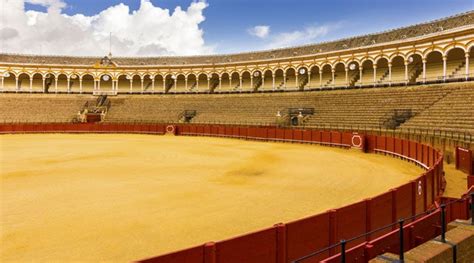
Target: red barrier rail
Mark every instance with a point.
(287, 242)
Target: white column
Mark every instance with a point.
(220, 83)
(68, 86)
(230, 82)
(296, 80)
(197, 83)
(208, 83)
(80, 85)
(131, 85)
(186, 83)
(31, 83)
(284, 80)
(424, 70)
(406, 71)
(16, 84)
(263, 82)
(309, 79)
(333, 71)
(444, 67)
(251, 82)
(164, 84)
(153, 85)
(56, 84)
(98, 84)
(3, 83)
(347, 76)
(375, 75)
(142, 79)
(240, 83)
(467, 65)
(390, 73)
(273, 79)
(361, 69)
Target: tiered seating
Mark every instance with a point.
(455, 112)
(40, 107)
(443, 107)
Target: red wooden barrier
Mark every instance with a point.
(464, 160)
(390, 144)
(405, 203)
(413, 149)
(259, 247)
(381, 143)
(307, 136)
(326, 137)
(271, 133)
(379, 213)
(371, 143)
(398, 146)
(355, 254)
(288, 134)
(470, 181)
(351, 221)
(419, 152)
(191, 255)
(316, 136)
(336, 138)
(406, 148)
(280, 134)
(297, 135)
(301, 237)
(243, 132)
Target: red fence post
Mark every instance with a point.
(210, 252)
(281, 243)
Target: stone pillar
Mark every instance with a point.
(240, 83)
(347, 75)
(68, 85)
(406, 72)
(361, 69)
(31, 83)
(142, 79)
(220, 83)
(153, 85)
(208, 83)
(296, 80)
(309, 78)
(56, 84)
(80, 85)
(273, 78)
(131, 85)
(284, 80)
(3, 83)
(444, 67)
(390, 73)
(375, 74)
(186, 83)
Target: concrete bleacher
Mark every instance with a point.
(29, 108)
(447, 107)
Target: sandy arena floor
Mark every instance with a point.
(127, 197)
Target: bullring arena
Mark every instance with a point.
(354, 150)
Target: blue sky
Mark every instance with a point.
(227, 22)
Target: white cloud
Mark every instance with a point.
(259, 31)
(308, 35)
(148, 31)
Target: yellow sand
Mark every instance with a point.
(128, 197)
(456, 181)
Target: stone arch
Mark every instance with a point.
(37, 84)
(353, 72)
(303, 77)
(87, 83)
(382, 69)
(23, 81)
(267, 79)
(214, 82)
(202, 82)
(290, 78)
(225, 81)
(398, 69)
(235, 81)
(246, 80)
(313, 75)
(434, 65)
(279, 78)
(326, 77)
(455, 63)
(106, 82)
(339, 74)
